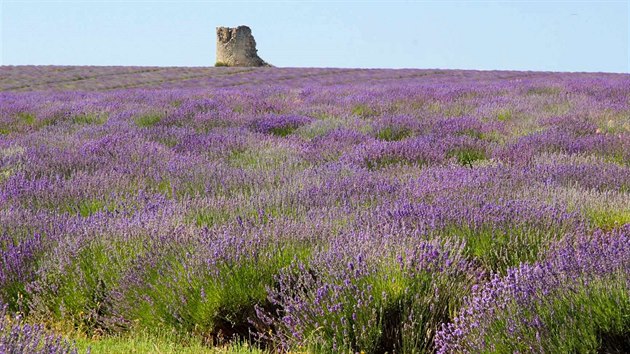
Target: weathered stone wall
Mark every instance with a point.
(237, 47)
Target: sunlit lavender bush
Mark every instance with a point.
(318, 210)
(375, 295)
(17, 337)
(577, 299)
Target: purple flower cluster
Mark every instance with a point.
(281, 125)
(17, 337)
(368, 292)
(515, 312)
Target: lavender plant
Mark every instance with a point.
(17, 336)
(575, 300)
(350, 297)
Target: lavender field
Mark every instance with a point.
(313, 211)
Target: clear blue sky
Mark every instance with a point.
(535, 35)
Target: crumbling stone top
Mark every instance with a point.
(237, 47)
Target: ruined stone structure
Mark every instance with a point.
(237, 47)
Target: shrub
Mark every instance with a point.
(77, 291)
(209, 292)
(350, 302)
(575, 301)
(497, 235)
(18, 262)
(17, 337)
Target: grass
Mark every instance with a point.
(617, 158)
(83, 207)
(319, 127)
(388, 160)
(458, 109)
(26, 118)
(164, 342)
(148, 120)
(467, 156)
(208, 217)
(608, 219)
(544, 91)
(473, 133)
(165, 187)
(393, 134)
(504, 115)
(559, 109)
(615, 122)
(220, 64)
(23, 120)
(282, 131)
(363, 111)
(263, 157)
(88, 207)
(496, 249)
(92, 118)
(6, 172)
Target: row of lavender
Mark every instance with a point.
(321, 210)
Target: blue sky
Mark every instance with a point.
(540, 35)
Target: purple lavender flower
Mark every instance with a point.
(537, 301)
(281, 125)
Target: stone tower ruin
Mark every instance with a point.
(237, 47)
